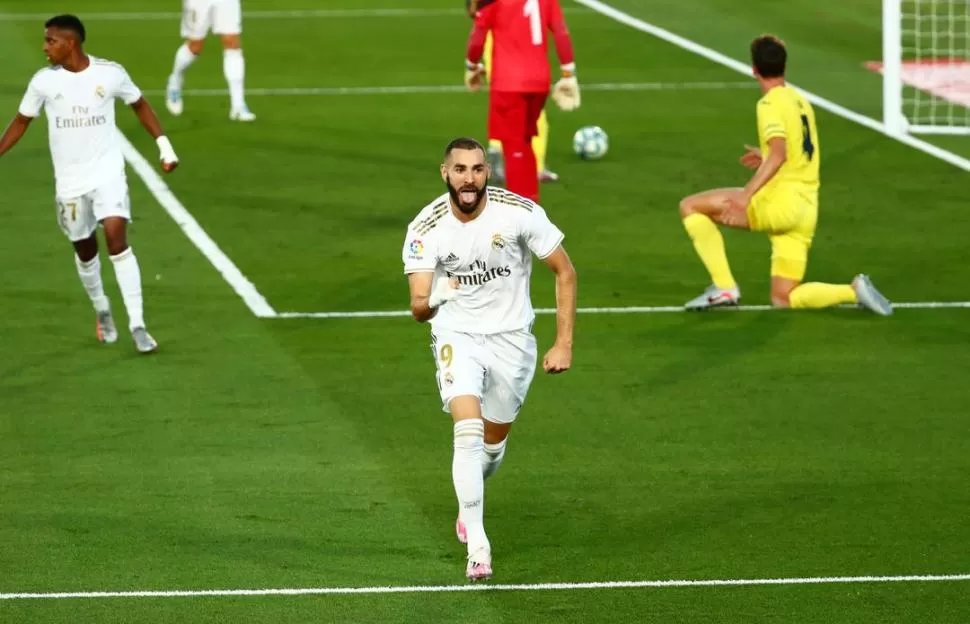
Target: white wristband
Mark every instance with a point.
(165, 149)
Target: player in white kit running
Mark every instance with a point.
(223, 18)
(468, 258)
(78, 92)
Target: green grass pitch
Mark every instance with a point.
(287, 453)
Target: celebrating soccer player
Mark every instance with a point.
(224, 18)
(77, 92)
(519, 78)
(781, 199)
(468, 257)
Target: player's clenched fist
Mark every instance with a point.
(558, 359)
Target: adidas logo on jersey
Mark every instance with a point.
(451, 258)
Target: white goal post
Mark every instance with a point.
(926, 66)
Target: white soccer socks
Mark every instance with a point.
(128, 274)
(234, 67)
(466, 472)
(492, 458)
(90, 274)
(183, 59)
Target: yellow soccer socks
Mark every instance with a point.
(815, 295)
(709, 245)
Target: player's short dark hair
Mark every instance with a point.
(465, 143)
(67, 22)
(768, 55)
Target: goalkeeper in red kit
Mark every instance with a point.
(520, 77)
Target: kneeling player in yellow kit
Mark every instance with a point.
(781, 200)
(540, 142)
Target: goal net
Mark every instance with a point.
(926, 66)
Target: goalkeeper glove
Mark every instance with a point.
(473, 75)
(566, 91)
(444, 291)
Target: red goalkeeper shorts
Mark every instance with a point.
(513, 115)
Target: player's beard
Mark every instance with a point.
(467, 207)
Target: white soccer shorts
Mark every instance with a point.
(222, 17)
(79, 216)
(496, 368)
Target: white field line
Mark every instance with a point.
(920, 305)
(125, 16)
(239, 283)
(434, 589)
(745, 68)
(424, 89)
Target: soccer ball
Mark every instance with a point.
(591, 142)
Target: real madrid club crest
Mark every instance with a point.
(498, 243)
(99, 91)
(449, 379)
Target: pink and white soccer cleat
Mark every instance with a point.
(546, 176)
(479, 566)
(460, 531)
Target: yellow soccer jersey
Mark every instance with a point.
(783, 112)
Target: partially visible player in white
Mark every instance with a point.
(468, 258)
(223, 18)
(77, 91)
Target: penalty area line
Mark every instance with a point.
(187, 223)
(916, 305)
(432, 589)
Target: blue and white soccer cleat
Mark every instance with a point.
(173, 101)
(869, 297)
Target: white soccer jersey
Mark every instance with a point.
(491, 256)
(81, 121)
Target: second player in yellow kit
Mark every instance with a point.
(781, 200)
(786, 207)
